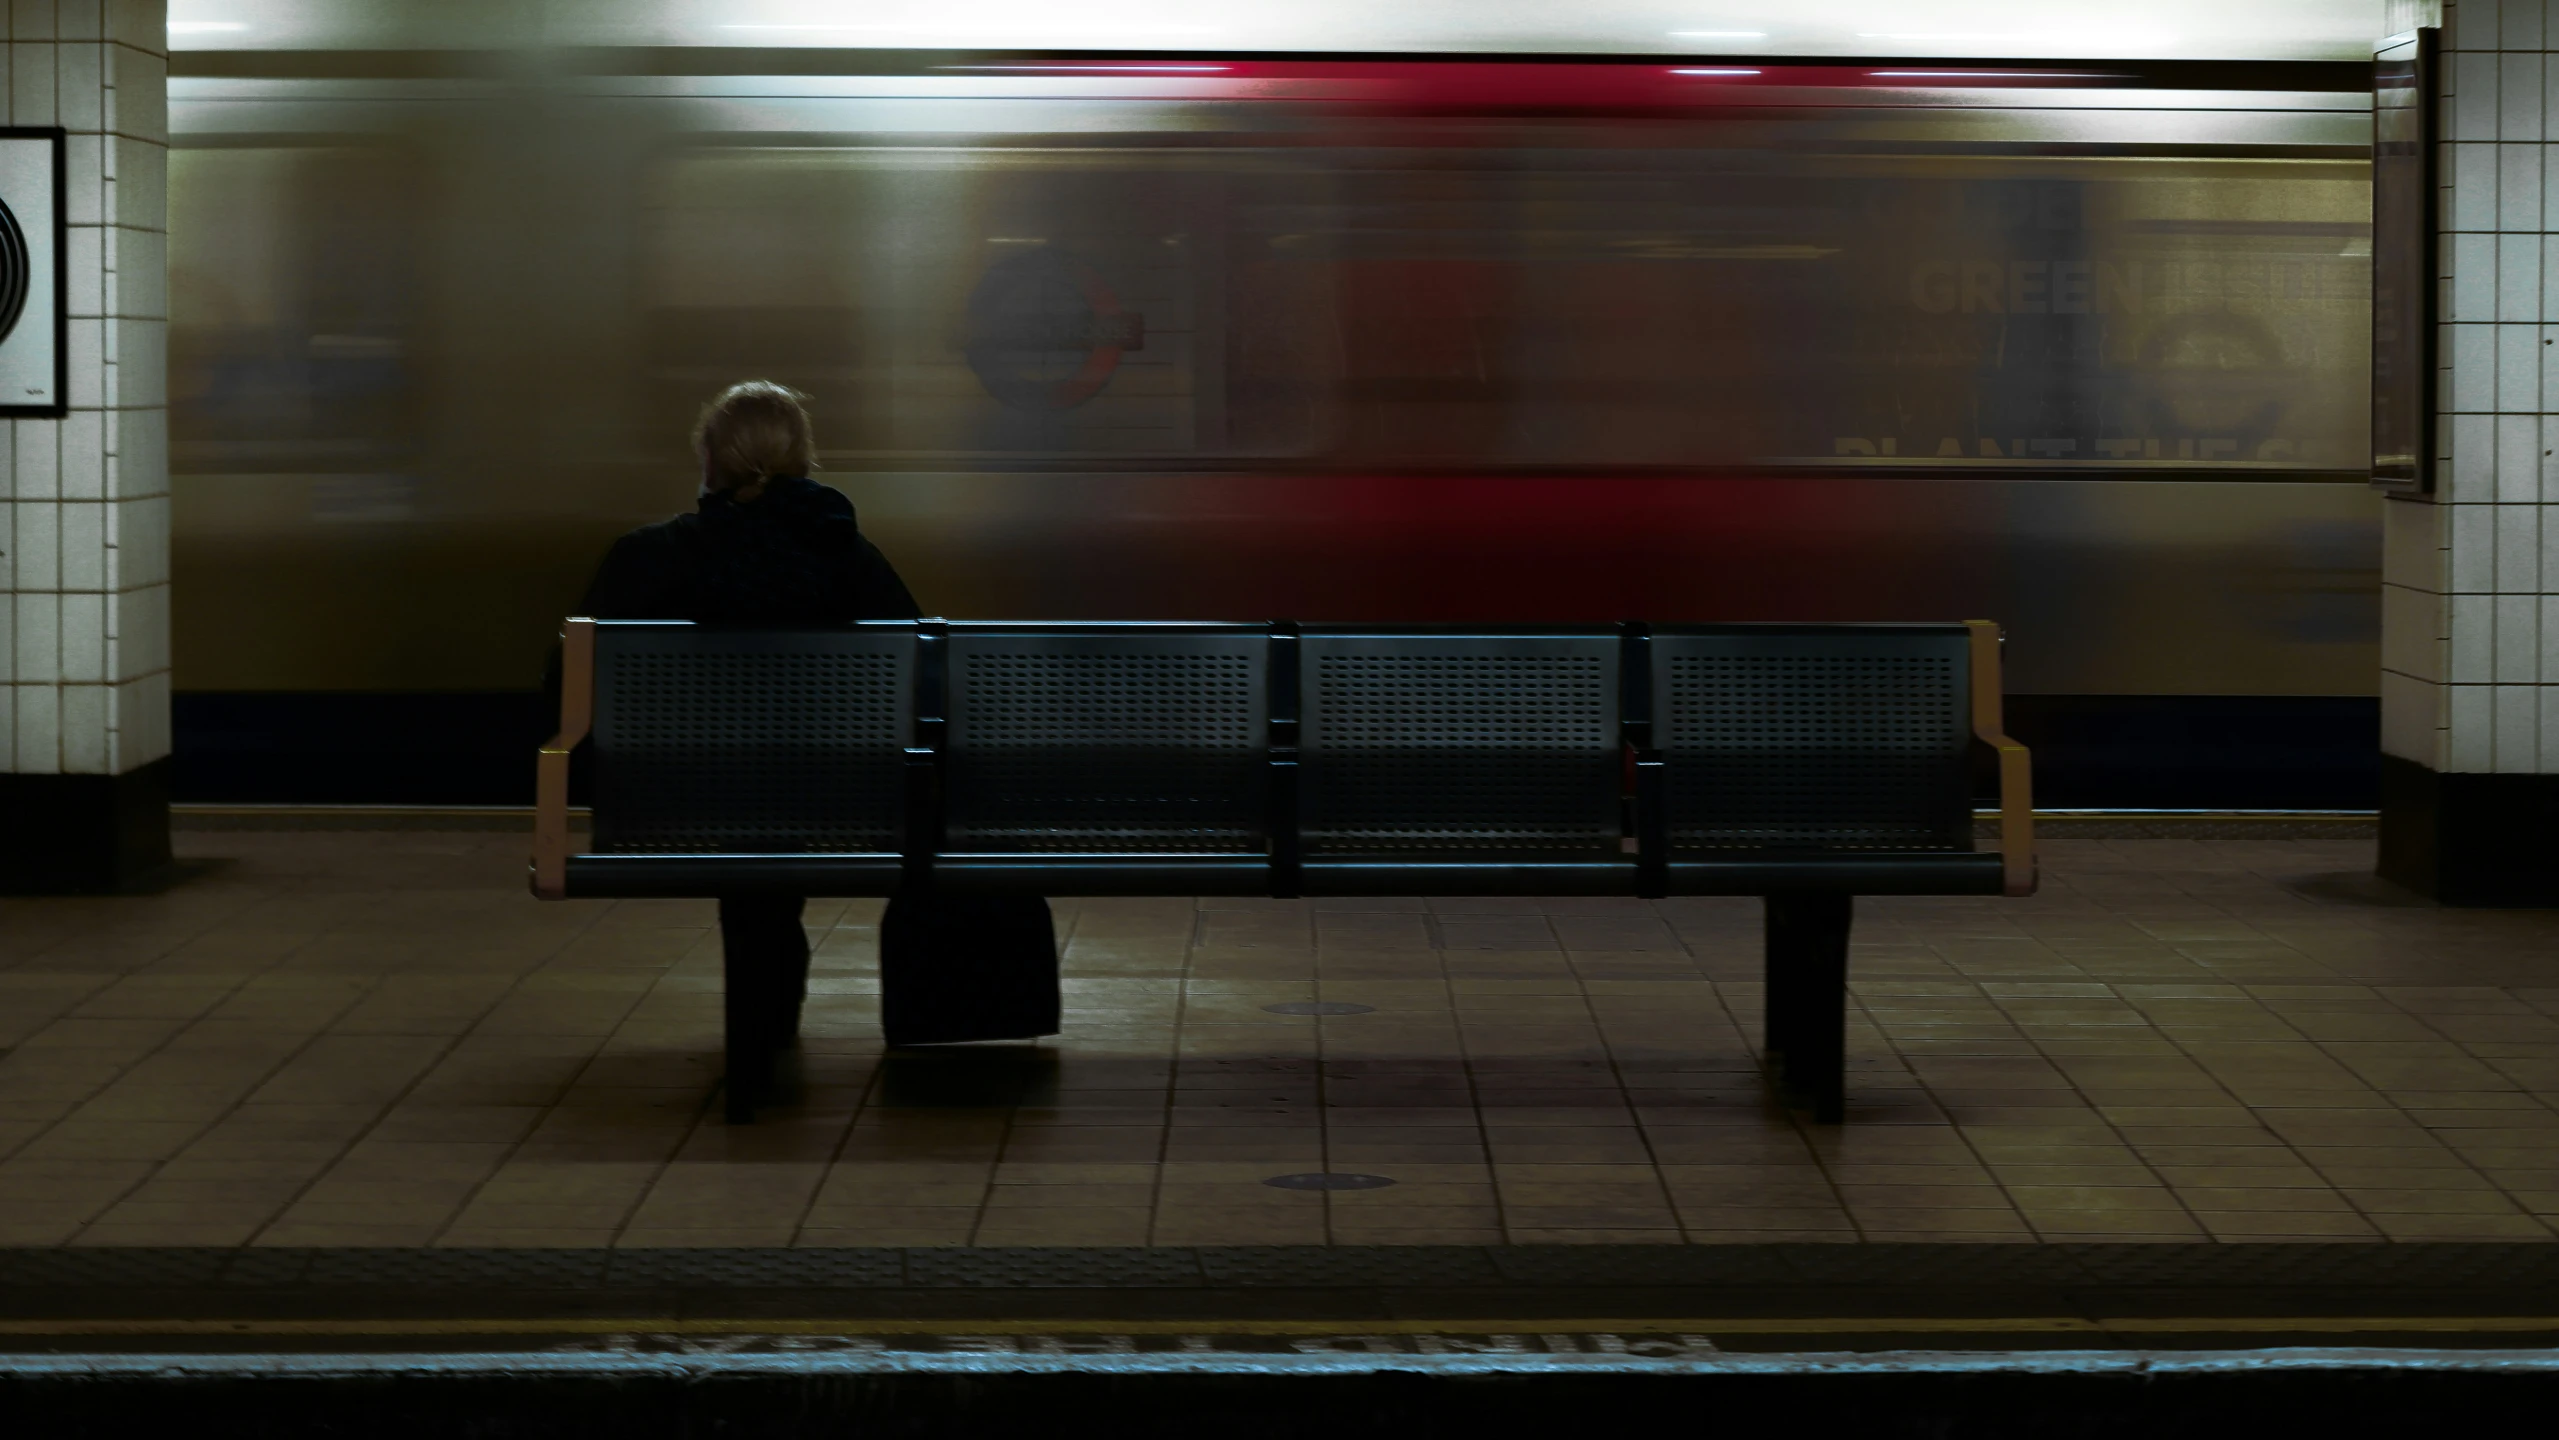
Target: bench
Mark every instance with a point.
(1807, 764)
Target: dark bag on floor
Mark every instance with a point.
(976, 967)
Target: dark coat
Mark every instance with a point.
(951, 968)
(791, 556)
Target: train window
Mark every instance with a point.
(299, 455)
(1003, 303)
(1527, 306)
(292, 340)
(1343, 347)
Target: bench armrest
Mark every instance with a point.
(2016, 770)
(551, 773)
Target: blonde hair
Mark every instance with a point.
(754, 430)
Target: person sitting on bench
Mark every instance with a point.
(768, 546)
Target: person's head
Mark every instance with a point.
(751, 432)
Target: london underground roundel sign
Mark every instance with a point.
(1045, 332)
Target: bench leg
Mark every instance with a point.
(1807, 984)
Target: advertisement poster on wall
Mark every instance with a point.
(32, 369)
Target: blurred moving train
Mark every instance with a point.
(2081, 348)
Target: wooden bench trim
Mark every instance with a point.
(2016, 768)
(551, 770)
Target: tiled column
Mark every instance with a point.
(84, 545)
(2470, 620)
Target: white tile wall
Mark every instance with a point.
(39, 553)
(2412, 714)
(141, 721)
(84, 531)
(2412, 633)
(2470, 643)
(2469, 716)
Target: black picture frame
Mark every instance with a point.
(2406, 279)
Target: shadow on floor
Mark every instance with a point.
(2359, 887)
(967, 1077)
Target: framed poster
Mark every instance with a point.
(34, 376)
(2404, 277)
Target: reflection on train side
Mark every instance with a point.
(1325, 365)
(1505, 305)
(302, 356)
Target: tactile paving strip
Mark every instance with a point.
(460, 1269)
(262, 1268)
(1348, 1266)
(2347, 1269)
(1640, 1266)
(1933, 1266)
(117, 1268)
(758, 1269)
(2436, 1266)
(1030, 1268)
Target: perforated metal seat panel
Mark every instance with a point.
(1452, 743)
(1137, 739)
(1815, 737)
(711, 741)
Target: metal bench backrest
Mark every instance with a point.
(713, 741)
(1460, 742)
(1099, 738)
(1815, 737)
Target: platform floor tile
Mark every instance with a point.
(376, 1041)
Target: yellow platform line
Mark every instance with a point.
(1833, 1325)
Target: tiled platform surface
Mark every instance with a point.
(377, 1039)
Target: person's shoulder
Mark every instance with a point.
(808, 495)
(658, 535)
(654, 547)
(633, 582)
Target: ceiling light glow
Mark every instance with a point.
(1109, 69)
(980, 31)
(2135, 39)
